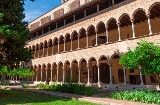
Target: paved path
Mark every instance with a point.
(97, 100)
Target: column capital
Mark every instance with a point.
(64, 39)
(86, 33)
(87, 66)
(132, 20)
(148, 16)
(98, 65)
(118, 24)
(79, 66)
(96, 31)
(78, 35)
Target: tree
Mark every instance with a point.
(14, 33)
(145, 58)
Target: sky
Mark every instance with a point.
(38, 8)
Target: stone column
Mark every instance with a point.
(96, 31)
(132, 20)
(110, 71)
(86, 39)
(107, 35)
(88, 74)
(64, 45)
(41, 74)
(112, 2)
(71, 73)
(97, 8)
(46, 75)
(141, 78)
(149, 24)
(51, 73)
(57, 72)
(84, 13)
(119, 32)
(98, 73)
(58, 46)
(71, 44)
(37, 74)
(78, 42)
(124, 71)
(63, 74)
(79, 72)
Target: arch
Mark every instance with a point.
(45, 43)
(92, 59)
(55, 43)
(82, 38)
(59, 63)
(139, 9)
(124, 14)
(55, 40)
(50, 42)
(74, 61)
(33, 47)
(103, 57)
(91, 35)
(81, 30)
(101, 22)
(74, 37)
(54, 63)
(90, 27)
(101, 31)
(37, 46)
(82, 60)
(67, 62)
(73, 33)
(115, 56)
(61, 43)
(109, 24)
(68, 42)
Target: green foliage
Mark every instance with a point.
(146, 55)
(4, 71)
(70, 88)
(25, 73)
(145, 96)
(25, 85)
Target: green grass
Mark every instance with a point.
(14, 97)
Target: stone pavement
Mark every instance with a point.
(97, 100)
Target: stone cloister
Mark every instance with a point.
(91, 54)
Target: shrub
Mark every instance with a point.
(25, 85)
(145, 96)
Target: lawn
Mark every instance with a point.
(14, 97)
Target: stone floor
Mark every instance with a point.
(93, 99)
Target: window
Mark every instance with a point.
(152, 79)
(120, 75)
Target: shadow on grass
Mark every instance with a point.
(22, 97)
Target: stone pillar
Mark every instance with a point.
(97, 7)
(58, 46)
(96, 31)
(57, 73)
(37, 74)
(78, 42)
(98, 73)
(124, 71)
(63, 74)
(41, 74)
(110, 71)
(79, 72)
(149, 24)
(141, 77)
(86, 39)
(71, 73)
(133, 30)
(88, 74)
(71, 44)
(119, 32)
(64, 45)
(46, 75)
(112, 2)
(84, 13)
(107, 35)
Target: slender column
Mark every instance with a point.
(79, 72)
(86, 39)
(64, 45)
(53, 49)
(107, 35)
(132, 20)
(43, 52)
(78, 41)
(51, 73)
(124, 71)
(119, 32)
(96, 37)
(64, 22)
(141, 78)
(58, 46)
(84, 13)
(97, 8)
(149, 24)
(71, 73)
(98, 73)
(71, 44)
(56, 25)
(41, 73)
(37, 74)
(35, 53)
(46, 75)
(110, 71)
(57, 73)
(63, 74)
(112, 2)
(88, 74)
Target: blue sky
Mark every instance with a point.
(38, 8)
